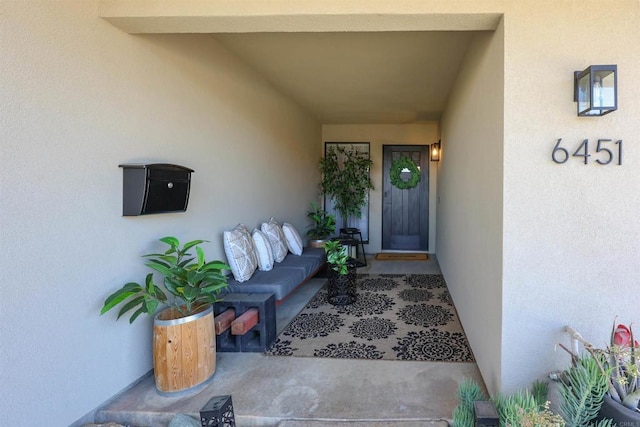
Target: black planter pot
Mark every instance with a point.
(341, 288)
(620, 414)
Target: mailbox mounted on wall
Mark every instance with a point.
(154, 188)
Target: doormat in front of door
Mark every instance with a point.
(395, 317)
(402, 256)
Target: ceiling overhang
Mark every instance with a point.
(373, 62)
(257, 16)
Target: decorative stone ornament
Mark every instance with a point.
(404, 164)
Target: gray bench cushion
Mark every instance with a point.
(279, 281)
(317, 253)
(308, 264)
(285, 276)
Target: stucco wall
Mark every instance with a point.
(79, 97)
(377, 136)
(571, 231)
(570, 235)
(470, 199)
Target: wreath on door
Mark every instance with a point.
(397, 167)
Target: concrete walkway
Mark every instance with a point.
(314, 392)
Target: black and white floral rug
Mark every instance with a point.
(396, 317)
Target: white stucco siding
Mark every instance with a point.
(470, 204)
(526, 250)
(571, 231)
(78, 98)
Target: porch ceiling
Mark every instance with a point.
(358, 77)
(369, 65)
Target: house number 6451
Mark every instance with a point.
(604, 152)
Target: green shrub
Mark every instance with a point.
(513, 407)
(468, 392)
(540, 392)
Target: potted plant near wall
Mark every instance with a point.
(323, 225)
(345, 179)
(184, 343)
(622, 361)
(341, 274)
(619, 363)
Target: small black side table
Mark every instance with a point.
(356, 236)
(341, 289)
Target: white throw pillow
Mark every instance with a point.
(252, 253)
(240, 251)
(294, 241)
(276, 238)
(263, 250)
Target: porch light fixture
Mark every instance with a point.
(435, 151)
(596, 90)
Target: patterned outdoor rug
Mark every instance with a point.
(396, 317)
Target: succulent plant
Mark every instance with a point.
(623, 363)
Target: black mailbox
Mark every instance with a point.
(154, 188)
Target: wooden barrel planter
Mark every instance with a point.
(184, 350)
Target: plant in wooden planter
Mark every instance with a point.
(193, 284)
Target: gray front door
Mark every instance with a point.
(405, 213)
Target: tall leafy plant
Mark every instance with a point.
(345, 179)
(190, 280)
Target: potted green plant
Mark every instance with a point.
(323, 225)
(345, 179)
(622, 361)
(341, 274)
(620, 364)
(191, 287)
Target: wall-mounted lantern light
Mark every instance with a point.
(596, 90)
(435, 152)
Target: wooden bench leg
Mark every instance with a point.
(245, 322)
(257, 336)
(223, 320)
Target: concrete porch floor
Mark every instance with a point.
(314, 392)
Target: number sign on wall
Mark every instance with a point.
(606, 151)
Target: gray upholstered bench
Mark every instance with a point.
(285, 276)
